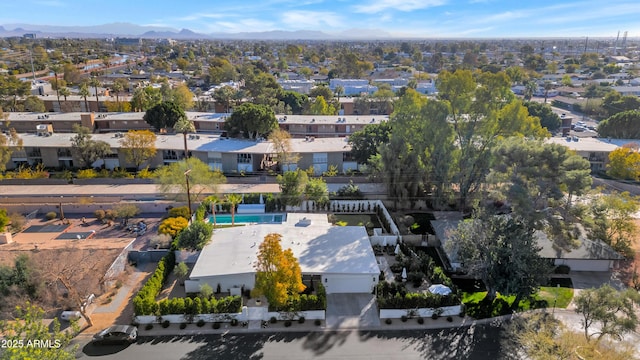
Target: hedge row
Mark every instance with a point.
(144, 302)
(417, 300)
(307, 302)
(188, 306)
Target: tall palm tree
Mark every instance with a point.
(84, 92)
(233, 200)
(184, 126)
(65, 92)
(56, 69)
(95, 83)
(117, 88)
(213, 200)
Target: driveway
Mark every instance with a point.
(593, 279)
(351, 311)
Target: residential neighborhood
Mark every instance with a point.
(302, 194)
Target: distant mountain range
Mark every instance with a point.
(158, 32)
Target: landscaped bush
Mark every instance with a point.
(148, 327)
(51, 215)
(87, 174)
(216, 325)
(388, 321)
(165, 324)
(420, 321)
(234, 322)
(287, 323)
(404, 318)
(144, 302)
(182, 211)
(273, 320)
(317, 322)
(301, 320)
(121, 173)
(188, 306)
(394, 296)
(99, 214)
(439, 277)
(172, 226)
(435, 316)
(145, 174)
(183, 326)
(449, 319)
(562, 269)
(200, 323)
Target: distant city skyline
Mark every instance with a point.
(393, 18)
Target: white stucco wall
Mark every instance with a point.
(226, 282)
(585, 265)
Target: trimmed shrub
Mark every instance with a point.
(182, 211)
(318, 322)
(148, 327)
(562, 269)
(273, 320)
(420, 321)
(200, 323)
(435, 316)
(51, 215)
(87, 174)
(172, 226)
(449, 319)
(287, 323)
(404, 318)
(388, 321)
(183, 326)
(301, 320)
(165, 324)
(234, 322)
(99, 214)
(216, 325)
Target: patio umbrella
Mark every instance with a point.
(384, 242)
(404, 274)
(439, 289)
(261, 199)
(397, 251)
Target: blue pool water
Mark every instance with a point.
(249, 218)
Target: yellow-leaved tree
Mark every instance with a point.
(624, 163)
(278, 275)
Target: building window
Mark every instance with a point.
(347, 156)
(320, 158)
(244, 158)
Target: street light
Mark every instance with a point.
(186, 176)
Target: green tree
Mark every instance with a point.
(548, 119)
(95, 82)
(84, 93)
(29, 326)
(86, 150)
(164, 115)
(316, 191)
(138, 146)
(320, 107)
(171, 178)
(292, 184)
(612, 221)
(296, 101)
(34, 104)
(233, 200)
(4, 219)
(491, 246)
(614, 103)
(365, 143)
(8, 143)
(223, 96)
(278, 274)
(195, 236)
(211, 202)
(251, 121)
(126, 211)
(184, 127)
(623, 125)
(611, 310)
(181, 272)
(144, 98)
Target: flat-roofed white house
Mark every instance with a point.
(341, 257)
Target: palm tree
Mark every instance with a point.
(95, 83)
(84, 92)
(65, 92)
(117, 88)
(530, 87)
(547, 86)
(184, 126)
(233, 200)
(56, 69)
(339, 92)
(213, 200)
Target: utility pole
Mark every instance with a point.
(186, 176)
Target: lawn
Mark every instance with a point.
(370, 221)
(559, 292)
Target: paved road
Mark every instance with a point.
(474, 342)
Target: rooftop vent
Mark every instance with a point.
(304, 222)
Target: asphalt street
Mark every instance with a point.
(487, 341)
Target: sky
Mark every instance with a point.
(398, 18)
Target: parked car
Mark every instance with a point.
(116, 334)
(70, 315)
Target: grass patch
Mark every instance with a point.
(370, 221)
(478, 307)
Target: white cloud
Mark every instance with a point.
(306, 19)
(377, 6)
(244, 25)
(200, 16)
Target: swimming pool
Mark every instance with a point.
(249, 218)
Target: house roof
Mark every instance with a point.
(587, 250)
(591, 144)
(320, 248)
